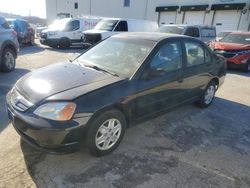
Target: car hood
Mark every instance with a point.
(58, 78)
(229, 46)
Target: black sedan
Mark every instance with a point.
(119, 82)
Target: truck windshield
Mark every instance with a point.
(237, 38)
(59, 24)
(171, 29)
(107, 25)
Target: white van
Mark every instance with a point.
(64, 32)
(111, 26)
(202, 32)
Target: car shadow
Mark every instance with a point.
(239, 72)
(25, 50)
(182, 129)
(7, 82)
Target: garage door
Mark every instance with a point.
(226, 20)
(194, 17)
(167, 17)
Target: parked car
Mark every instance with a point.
(8, 47)
(235, 47)
(25, 33)
(111, 26)
(120, 81)
(67, 31)
(201, 32)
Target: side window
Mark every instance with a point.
(168, 58)
(122, 26)
(208, 58)
(193, 32)
(72, 26)
(195, 53)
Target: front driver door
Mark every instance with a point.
(159, 87)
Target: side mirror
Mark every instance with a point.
(153, 73)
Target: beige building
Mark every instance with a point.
(224, 14)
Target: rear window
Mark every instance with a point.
(171, 29)
(208, 32)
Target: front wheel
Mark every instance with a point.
(8, 60)
(208, 95)
(106, 132)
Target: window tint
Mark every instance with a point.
(208, 57)
(168, 58)
(73, 25)
(126, 3)
(192, 31)
(122, 26)
(195, 53)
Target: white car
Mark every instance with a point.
(111, 26)
(64, 32)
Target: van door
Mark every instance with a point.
(73, 31)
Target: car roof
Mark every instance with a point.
(187, 25)
(152, 36)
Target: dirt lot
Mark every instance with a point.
(187, 147)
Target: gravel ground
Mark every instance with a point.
(187, 147)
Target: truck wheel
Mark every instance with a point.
(64, 43)
(8, 60)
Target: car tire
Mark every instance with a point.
(8, 60)
(105, 132)
(246, 67)
(64, 43)
(32, 40)
(208, 95)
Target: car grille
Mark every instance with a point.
(226, 54)
(92, 38)
(18, 102)
(43, 35)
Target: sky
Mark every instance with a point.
(24, 7)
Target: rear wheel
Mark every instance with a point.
(106, 132)
(8, 60)
(208, 95)
(246, 67)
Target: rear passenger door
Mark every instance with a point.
(197, 68)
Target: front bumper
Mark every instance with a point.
(49, 136)
(49, 42)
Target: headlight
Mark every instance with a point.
(243, 52)
(59, 111)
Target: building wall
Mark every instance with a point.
(138, 9)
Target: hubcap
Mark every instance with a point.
(9, 60)
(108, 134)
(209, 95)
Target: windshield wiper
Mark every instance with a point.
(100, 69)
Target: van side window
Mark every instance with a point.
(195, 53)
(168, 58)
(122, 26)
(72, 26)
(193, 32)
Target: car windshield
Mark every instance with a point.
(172, 29)
(222, 34)
(237, 38)
(59, 24)
(107, 25)
(117, 55)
